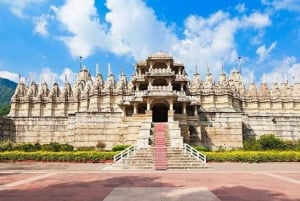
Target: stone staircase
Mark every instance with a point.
(167, 151)
(142, 159)
(160, 147)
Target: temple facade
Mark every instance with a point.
(216, 113)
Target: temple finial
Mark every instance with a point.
(207, 65)
(239, 66)
(196, 69)
(80, 62)
(109, 69)
(97, 69)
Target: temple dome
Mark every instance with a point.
(160, 54)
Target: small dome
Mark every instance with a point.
(160, 54)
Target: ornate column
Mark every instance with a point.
(184, 108)
(135, 108)
(195, 111)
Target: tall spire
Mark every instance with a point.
(196, 70)
(208, 72)
(80, 62)
(108, 69)
(66, 78)
(286, 78)
(97, 69)
(239, 65)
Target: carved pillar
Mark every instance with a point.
(184, 108)
(181, 86)
(195, 111)
(135, 108)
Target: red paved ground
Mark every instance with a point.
(227, 186)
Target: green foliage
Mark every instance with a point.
(120, 147)
(92, 156)
(270, 142)
(202, 148)
(54, 146)
(28, 147)
(254, 156)
(6, 146)
(100, 145)
(85, 148)
(7, 89)
(4, 109)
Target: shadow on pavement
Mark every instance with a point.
(96, 187)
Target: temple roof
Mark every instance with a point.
(160, 55)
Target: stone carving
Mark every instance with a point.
(263, 91)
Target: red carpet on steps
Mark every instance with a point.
(160, 147)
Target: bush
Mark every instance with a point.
(92, 156)
(270, 142)
(202, 148)
(28, 147)
(56, 147)
(85, 148)
(120, 147)
(254, 156)
(6, 146)
(100, 145)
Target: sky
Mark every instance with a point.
(43, 39)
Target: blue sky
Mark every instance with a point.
(43, 39)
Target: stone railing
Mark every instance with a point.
(160, 71)
(181, 77)
(160, 88)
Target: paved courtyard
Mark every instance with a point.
(221, 182)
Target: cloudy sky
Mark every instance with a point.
(43, 39)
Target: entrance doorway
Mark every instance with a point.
(160, 113)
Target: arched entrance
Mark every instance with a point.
(160, 113)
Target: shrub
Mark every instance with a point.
(120, 147)
(66, 147)
(252, 144)
(85, 148)
(202, 148)
(100, 145)
(6, 146)
(91, 156)
(27, 147)
(270, 142)
(53, 146)
(254, 156)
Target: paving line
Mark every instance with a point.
(295, 181)
(25, 181)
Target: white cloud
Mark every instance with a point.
(291, 5)
(18, 6)
(9, 75)
(287, 67)
(137, 29)
(131, 28)
(256, 20)
(264, 52)
(69, 75)
(85, 31)
(207, 40)
(240, 7)
(41, 25)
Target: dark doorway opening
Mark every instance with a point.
(160, 113)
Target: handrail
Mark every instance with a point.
(125, 153)
(194, 152)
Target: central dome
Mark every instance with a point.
(160, 54)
